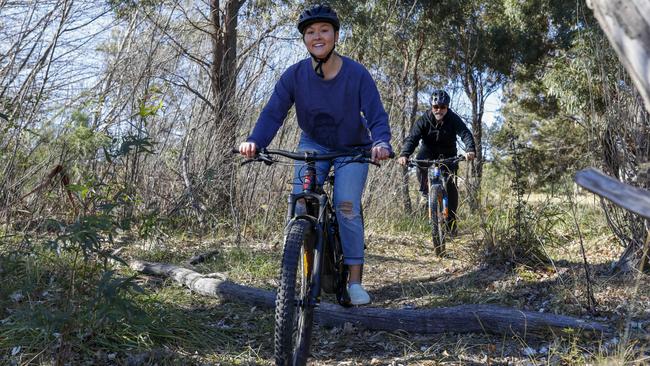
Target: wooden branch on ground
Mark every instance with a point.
(458, 319)
(200, 258)
(631, 198)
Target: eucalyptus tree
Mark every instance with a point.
(551, 138)
(594, 88)
(391, 37)
(189, 26)
(533, 114)
(41, 74)
(580, 108)
(97, 87)
(488, 43)
(477, 45)
(212, 58)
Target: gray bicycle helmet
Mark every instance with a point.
(318, 13)
(440, 97)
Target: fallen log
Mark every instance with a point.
(457, 319)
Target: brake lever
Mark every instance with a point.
(266, 159)
(247, 161)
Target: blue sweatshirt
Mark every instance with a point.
(344, 112)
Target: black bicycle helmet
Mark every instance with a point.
(440, 97)
(318, 13)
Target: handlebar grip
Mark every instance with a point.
(236, 151)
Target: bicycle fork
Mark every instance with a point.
(312, 265)
(441, 200)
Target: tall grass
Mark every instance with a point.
(56, 307)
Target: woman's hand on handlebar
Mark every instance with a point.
(403, 160)
(379, 153)
(248, 149)
(470, 155)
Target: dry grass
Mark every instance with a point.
(401, 272)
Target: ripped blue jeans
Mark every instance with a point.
(348, 187)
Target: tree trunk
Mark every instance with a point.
(458, 319)
(406, 124)
(223, 86)
(189, 186)
(408, 207)
(627, 26)
(472, 86)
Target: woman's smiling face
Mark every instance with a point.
(320, 38)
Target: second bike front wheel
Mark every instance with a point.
(293, 313)
(437, 220)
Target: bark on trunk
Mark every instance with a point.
(189, 187)
(223, 86)
(458, 319)
(472, 87)
(406, 124)
(415, 88)
(627, 26)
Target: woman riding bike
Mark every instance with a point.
(338, 108)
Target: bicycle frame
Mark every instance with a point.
(438, 177)
(320, 214)
(437, 207)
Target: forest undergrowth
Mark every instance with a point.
(63, 305)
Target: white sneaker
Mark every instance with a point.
(358, 296)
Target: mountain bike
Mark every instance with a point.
(313, 256)
(438, 175)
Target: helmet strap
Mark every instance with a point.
(320, 62)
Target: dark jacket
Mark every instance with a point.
(436, 139)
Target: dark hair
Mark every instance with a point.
(440, 97)
(318, 13)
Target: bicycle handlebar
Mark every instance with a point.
(422, 162)
(360, 156)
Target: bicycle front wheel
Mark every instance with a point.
(437, 220)
(293, 312)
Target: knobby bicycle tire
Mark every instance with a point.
(437, 220)
(293, 315)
